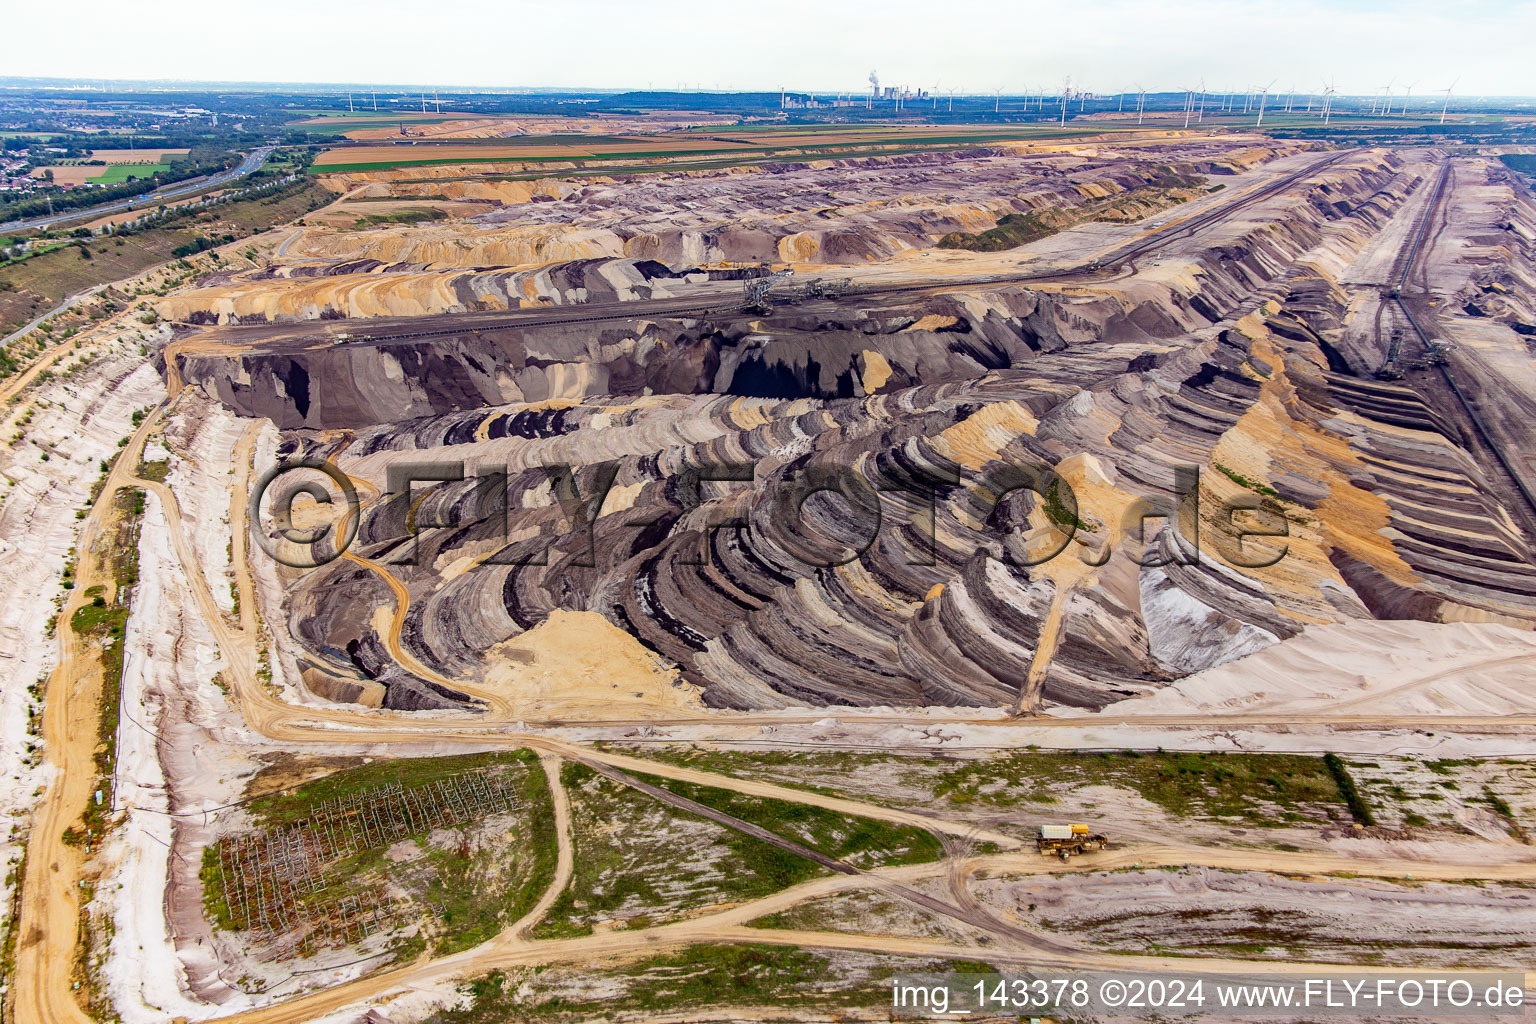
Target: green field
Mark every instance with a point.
(116, 174)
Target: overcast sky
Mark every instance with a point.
(975, 45)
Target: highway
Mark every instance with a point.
(247, 166)
(252, 161)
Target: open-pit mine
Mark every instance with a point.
(505, 593)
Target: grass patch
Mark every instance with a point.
(1014, 230)
(116, 174)
(1501, 807)
(298, 804)
(156, 471)
(862, 842)
(1252, 485)
(1264, 790)
(1248, 787)
(1346, 784)
(1163, 187)
(641, 862)
(103, 619)
(1058, 513)
(412, 216)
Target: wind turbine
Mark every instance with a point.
(951, 99)
(1141, 102)
(1407, 92)
(1387, 89)
(1447, 105)
(936, 94)
(1066, 87)
(375, 101)
(1201, 118)
(349, 101)
(1263, 101)
(997, 100)
(1328, 93)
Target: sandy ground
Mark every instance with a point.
(1479, 927)
(577, 665)
(169, 657)
(1364, 667)
(77, 422)
(1376, 262)
(203, 480)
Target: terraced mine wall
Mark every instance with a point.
(757, 616)
(852, 347)
(1224, 369)
(841, 213)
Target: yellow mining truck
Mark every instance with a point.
(1065, 840)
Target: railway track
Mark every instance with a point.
(1482, 435)
(1095, 268)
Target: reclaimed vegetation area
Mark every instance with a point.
(1164, 187)
(1252, 485)
(464, 845)
(862, 842)
(1012, 231)
(1525, 163)
(640, 862)
(412, 216)
(1265, 790)
(103, 621)
(1346, 784)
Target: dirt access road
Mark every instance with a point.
(50, 911)
(49, 920)
(48, 925)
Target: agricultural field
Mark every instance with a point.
(116, 174)
(728, 145)
(120, 166)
